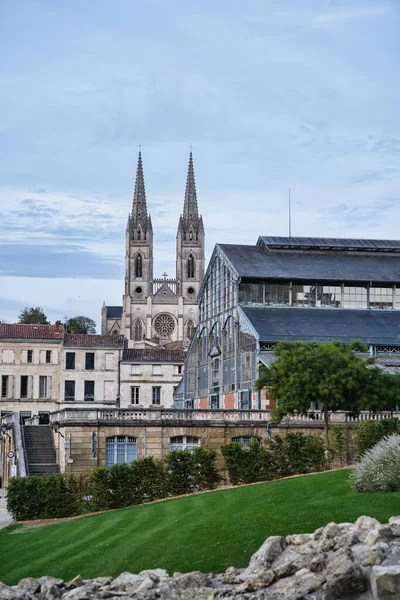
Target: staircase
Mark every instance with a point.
(40, 451)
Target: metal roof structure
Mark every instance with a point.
(114, 312)
(329, 244)
(376, 327)
(258, 262)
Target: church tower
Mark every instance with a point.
(190, 243)
(138, 260)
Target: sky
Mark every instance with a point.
(270, 95)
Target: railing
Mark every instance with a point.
(158, 283)
(95, 415)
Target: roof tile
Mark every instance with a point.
(17, 331)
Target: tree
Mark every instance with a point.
(33, 315)
(80, 324)
(331, 375)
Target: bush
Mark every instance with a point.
(370, 432)
(148, 480)
(379, 468)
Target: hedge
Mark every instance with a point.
(282, 456)
(118, 486)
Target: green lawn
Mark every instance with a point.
(207, 532)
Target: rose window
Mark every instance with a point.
(164, 325)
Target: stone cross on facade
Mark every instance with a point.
(165, 275)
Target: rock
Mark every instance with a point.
(378, 534)
(343, 577)
(394, 523)
(385, 582)
(299, 538)
(318, 562)
(266, 554)
(347, 539)
(127, 582)
(10, 593)
(195, 579)
(365, 523)
(29, 584)
(331, 530)
(301, 584)
(155, 574)
(257, 582)
(76, 581)
(82, 592)
(290, 561)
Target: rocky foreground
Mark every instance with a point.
(360, 561)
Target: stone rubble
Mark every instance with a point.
(359, 561)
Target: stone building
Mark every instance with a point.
(30, 369)
(299, 289)
(157, 311)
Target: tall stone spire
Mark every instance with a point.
(190, 218)
(190, 208)
(140, 221)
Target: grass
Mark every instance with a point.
(206, 532)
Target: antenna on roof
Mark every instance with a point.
(290, 217)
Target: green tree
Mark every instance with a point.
(80, 324)
(331, 375)
(33, 315)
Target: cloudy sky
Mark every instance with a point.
(270, 94)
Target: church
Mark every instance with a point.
(159, 311)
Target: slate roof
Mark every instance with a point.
(93, 341)
(114, 312)
(153, 355)
(31, 332)
(381, 327)
(257, 262)
(330, 243)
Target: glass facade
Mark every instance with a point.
(303, 295)
(355, 297)
(381, 297)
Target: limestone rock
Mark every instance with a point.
(29, 584)
(385, 582)
(343, 577)
(266, 554)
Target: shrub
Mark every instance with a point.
(379, 468)
(205, 473)
(148, 480)
(370, 432)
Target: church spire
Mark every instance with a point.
(190, 208)
(140, 221)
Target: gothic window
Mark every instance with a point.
(139, 234)
(189, 329)
(139, 266)
(164, 325)
(190, 267)
(137, 330)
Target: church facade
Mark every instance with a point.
(159, 311)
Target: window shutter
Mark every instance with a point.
(30, 386)
(48, 390)
(10, 386)
(11, 356)
(17, 387)
(42, 357)
(5, 358)
(54, 356)
(24, 356)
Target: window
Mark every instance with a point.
(381, 297)
(355, 297)
(156, 370)
(89, 361)
(120, 449)
(246, 367)
(70, 360)
(24, 386)
(215, 372)
(214, 401)
(137, 330)
(156, 394)
(48, 356)
(245, 400)
(252, 293)
(29, 356)
(135, 395)
(139, 265)
(183, 442)
(4, 386)
(42, 386)
(135, 370)
(329, 295)
(303, 295)
(245, 440)
(89, 391)
(190, 267)
(178, 369)
(44, 418)
(69, 389)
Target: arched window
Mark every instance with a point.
(120, 449)
(137, 330)
(190, 267)
(139, 234)
(183, 442)
(189, 329)
(139, 266)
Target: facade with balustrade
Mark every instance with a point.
(158, 311)
(299, 289)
